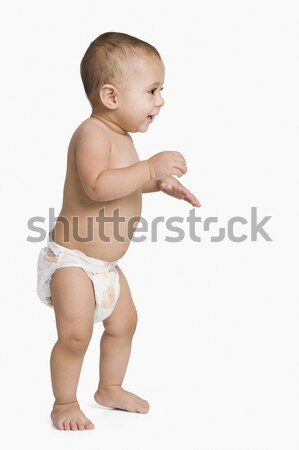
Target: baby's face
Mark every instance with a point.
(140, 94)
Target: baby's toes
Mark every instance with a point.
(144, 407)
(89, 425)
(74, 426)
(66, 425)
(60, 425)
(80, 425)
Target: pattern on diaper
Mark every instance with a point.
(108, 296)
(49, 302)
(50, 256)
(104, 274)
(108, 300)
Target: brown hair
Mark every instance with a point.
(105, 59)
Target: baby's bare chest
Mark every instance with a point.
(123, 152)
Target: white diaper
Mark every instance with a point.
(103, 275)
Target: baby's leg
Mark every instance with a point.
(73, 301)
(115, 351)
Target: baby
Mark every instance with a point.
(78, 272)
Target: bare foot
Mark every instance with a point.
(70, 417)
(117, 397)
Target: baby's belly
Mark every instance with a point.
(103, 233)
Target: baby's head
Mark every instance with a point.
(123, 77)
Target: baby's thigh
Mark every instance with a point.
(124, 316)
(73, 301)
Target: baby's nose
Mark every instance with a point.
(160, 101)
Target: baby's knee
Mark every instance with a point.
(132, 324)
(76, 343)
(124, 327)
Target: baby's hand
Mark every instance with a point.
(167, 163)
(173, 187)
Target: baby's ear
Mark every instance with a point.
(108, 96)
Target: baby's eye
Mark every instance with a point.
(153, 91)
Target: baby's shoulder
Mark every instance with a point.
(88, 130)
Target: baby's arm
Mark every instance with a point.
(101, 183)
(172, 186)
(151, 186)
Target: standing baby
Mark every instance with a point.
(78, 272)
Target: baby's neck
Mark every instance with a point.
(107, 121)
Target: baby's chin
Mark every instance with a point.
(142, 128)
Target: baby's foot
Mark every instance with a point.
(70, 417)
(117, 397)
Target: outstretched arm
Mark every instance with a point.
(172, 186)
(151, 186)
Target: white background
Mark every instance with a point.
(216, 351)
